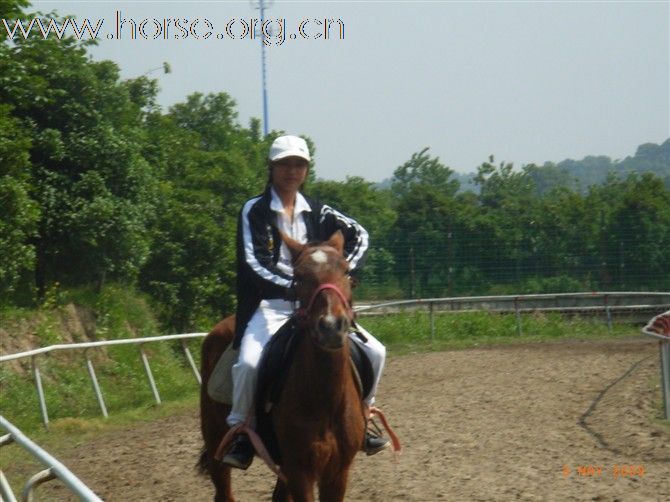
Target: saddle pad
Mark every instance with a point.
(220, 385)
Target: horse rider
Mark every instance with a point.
(265, 293)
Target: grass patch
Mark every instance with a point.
(410, 331)
(69, 391)
(117, 312)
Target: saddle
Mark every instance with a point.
(277, 358)
(273, 368)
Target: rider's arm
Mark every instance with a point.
(256, 250)
(355, 236)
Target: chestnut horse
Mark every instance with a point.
(320, 419)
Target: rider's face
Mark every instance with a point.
(289, 173)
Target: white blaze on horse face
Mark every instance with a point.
(330, 318)
(319, 256)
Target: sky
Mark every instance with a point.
(527, 82)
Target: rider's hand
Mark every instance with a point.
(290, 294)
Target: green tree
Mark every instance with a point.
(426, 225)
(549, 177)
(372, 208)
(509, 214)
(18, 212)
(12, 9)
(94, 190)
(564, 240)
(634, 237)
(422, 169)
(204, 182)
(212, 116)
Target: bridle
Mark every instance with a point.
(303, 312)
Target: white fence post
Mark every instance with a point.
(608, 313)
(96, 386)
(191, 362)
(150, 376)
(6, 493)
(40, 391)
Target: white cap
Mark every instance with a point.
(289, 146)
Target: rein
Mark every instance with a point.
(302, 312)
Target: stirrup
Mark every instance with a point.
(374, 441)
(241, 453)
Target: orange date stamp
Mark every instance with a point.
(616, 471)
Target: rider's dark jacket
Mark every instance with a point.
(258, 245)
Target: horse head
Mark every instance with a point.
(323, 289)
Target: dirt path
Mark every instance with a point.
(482, 424)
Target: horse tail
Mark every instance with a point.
(202, 465)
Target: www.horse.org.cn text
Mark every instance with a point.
(274, 31)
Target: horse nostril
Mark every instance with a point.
(333, 324)
(327, 323)
(342, 324)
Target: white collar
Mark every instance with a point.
(301, 204)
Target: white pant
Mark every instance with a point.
(266, 321)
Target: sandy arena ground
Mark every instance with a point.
(505, 423)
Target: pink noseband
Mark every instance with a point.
(322, 287)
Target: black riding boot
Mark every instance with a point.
(374, 441)
(241, 453)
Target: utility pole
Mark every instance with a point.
(262, 5)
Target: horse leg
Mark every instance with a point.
(214, 428)
(220, 475)
(333, 489)
(300, 486)
(280, 493)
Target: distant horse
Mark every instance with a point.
(319, 421)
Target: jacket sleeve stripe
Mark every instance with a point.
(249, 253)
(361, 234)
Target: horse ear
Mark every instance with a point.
(337, 241)
(293, 246)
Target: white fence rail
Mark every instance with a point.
(604, 303)
(597, 302)
(33, 355)
(54, 469)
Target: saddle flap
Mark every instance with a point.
(274, 365)
(361, 365)
(220, 384)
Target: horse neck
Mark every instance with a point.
(323, 375)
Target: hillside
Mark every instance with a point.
(591, 170)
